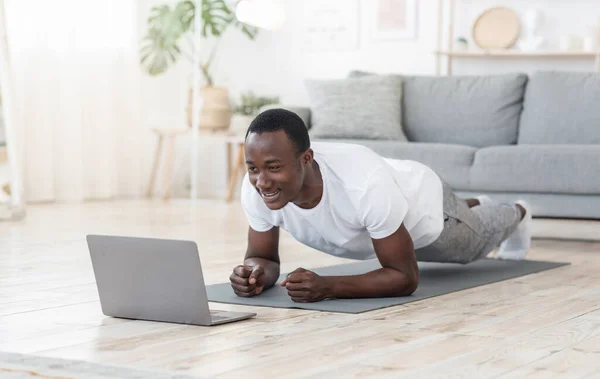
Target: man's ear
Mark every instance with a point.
(307, 156)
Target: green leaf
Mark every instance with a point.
(160, 46)
(216, 16)
(250, 31)
(167, 25)
(143, 58)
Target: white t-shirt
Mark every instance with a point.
(364, 196)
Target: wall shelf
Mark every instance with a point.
(517, 54)
(448, 54)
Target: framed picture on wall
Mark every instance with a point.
(393, 19)
(330, 25)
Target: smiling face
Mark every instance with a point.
(275, 167)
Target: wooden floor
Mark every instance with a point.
(538, 326)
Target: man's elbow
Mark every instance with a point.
(411, 286)
(408, 284)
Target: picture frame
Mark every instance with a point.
(394, 19)
(331, 25)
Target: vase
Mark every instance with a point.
(532, 39)
(215, 113)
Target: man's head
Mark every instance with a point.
(278, 154)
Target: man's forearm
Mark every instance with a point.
(271, 269)
(384, 282)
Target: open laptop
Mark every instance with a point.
(153, 279)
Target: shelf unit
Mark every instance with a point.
(449, 54)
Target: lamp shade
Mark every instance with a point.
(264, 14)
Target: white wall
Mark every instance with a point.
(278, 62)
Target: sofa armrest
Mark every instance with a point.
(303, 112)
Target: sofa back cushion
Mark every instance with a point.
(478, 111)
(470, 110)
(365, 107)
(561, 108)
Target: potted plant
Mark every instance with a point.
(170, 37)
(247, 108)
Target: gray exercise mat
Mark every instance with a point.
(435, 279)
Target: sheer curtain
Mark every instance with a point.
(77, 92)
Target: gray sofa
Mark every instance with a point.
(514, 136)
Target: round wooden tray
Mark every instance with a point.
(496, 28)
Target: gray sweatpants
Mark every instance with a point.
(469, 233)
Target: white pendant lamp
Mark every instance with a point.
(264, 14)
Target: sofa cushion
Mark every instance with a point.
(561, 107)
(367, 107)
(538, 168)
(468, 110)
(451, 162)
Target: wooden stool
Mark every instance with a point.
(238, 166)
(170, 135)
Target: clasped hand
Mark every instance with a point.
(248, 281)
(305, 286)
(302, 285)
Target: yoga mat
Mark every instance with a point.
(435, 279)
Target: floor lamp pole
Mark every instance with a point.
(195, 103)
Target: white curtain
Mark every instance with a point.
(78, 108)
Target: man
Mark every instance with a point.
(347, 201)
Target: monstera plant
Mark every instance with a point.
(170, 37)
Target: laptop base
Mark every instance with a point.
(222, 317)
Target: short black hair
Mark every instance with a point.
(276, 119)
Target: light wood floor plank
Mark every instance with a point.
(509, 354)
(566, 363)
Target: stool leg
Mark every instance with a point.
(228, 159)
(239, 163)
(157, 154)
(170, 160)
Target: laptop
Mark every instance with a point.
(153, 279)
